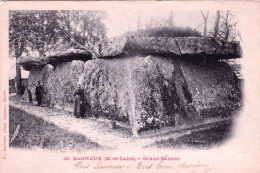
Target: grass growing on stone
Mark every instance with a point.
(170, 32)
(34, 132)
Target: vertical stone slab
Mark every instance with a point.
(62, 83)
(213, 87)
(106, 88)
(41, 73)
(154, 92)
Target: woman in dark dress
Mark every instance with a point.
(78, 102)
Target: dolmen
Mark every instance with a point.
(149, 82)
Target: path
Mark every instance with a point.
(97, 130)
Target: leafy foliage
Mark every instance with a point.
(32, 30)
(84, 29)
(44, 30)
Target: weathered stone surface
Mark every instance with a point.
(65, 76)
(153, 92)
(214, 88)
(150, 92)
(179, 46)
(204, 46)
(59, 83)
(39, 74)
(27, 96)
(107, 88)
(54, 58)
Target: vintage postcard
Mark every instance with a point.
(129, 87)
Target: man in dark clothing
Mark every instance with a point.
(39, 93)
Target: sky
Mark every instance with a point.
(119, 22)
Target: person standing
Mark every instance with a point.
(78, 102)
(39, 93)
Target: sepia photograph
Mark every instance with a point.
(140, 86)
(82, 80)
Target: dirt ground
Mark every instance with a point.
(35, 132)
(96, 134)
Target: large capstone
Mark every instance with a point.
(178, 46)
(54, 58)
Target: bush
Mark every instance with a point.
(164, 32)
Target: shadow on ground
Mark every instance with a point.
(204, 139)
(53, 129)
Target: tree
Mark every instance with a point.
(39, 31)
(216, 27)
(225, 27)
(29, 31)
(205, 19)
(227, 32)
(83, 28)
